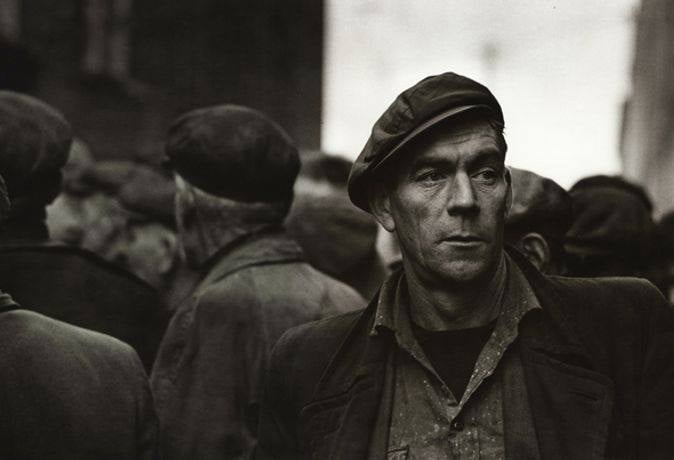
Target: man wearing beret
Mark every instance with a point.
(68, 392)
(235, 170)
(538, 219)
(66, 283)
(468, 351)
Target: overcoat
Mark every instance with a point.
(598, 361)
(70, 393)
(209, 370)
(80, 288)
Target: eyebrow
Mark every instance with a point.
(484, 155)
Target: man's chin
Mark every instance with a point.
(464, 272)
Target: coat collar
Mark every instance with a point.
(561, 384)
(271, 246)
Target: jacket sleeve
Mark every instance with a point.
(277, 437)
(656, 389)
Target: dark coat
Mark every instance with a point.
(598, 363)
(208, 374)
(80, 288)
(69, 393)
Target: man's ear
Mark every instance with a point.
(536, 250)
(509, 193)
(380, 205)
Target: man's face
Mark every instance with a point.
(448, 204)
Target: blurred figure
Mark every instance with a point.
(538, 219)
(67, 392)
(235, 171)
(612, 230)
(66, 283)
(122, 211)
(336, 237)
(665, 247)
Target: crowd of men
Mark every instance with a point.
(247, 300)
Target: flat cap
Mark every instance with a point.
(611, 215)
(429, 102)
(539, 204)
(234, 152)
(34, 144)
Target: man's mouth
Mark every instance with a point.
(463, 240)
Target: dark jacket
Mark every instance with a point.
(69, 393)
(598, 363)
(208, 373)
(80, 288)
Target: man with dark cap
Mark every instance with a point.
(539, 216)
(67, 392)
(612, 231)
(235, 171)
(65, 283)
(468, 351)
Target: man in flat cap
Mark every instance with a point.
(235, 171)
(613, 229)
(468, 351)
(538, 219)
(66, 283)
(68, 392)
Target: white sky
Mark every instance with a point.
(560, 69)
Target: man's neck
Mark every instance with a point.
(442, 307)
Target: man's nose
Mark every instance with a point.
(462, 198)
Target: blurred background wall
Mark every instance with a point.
(121, 70)
(587, 85)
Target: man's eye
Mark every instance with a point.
(486, 175)
(430, 176)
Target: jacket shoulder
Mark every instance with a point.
(28, 334)
(303, 352)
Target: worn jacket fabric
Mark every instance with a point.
(82, 289)
(69, 393)
(209, 369)
(598, 361)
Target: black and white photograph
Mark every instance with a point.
(336, 229)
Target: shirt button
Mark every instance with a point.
(457, 425)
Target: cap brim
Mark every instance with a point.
(428, 124)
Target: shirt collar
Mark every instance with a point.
(392, 312)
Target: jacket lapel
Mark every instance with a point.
(340, 421)
(571, 403)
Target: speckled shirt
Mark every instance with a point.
(427, 420)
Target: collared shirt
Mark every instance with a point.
(427, 420)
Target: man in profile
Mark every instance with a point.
(539, 217)
(468, 351)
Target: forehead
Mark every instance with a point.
(459, 142)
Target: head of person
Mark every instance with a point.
(34, 143)
(612, 230)
(433, 173)
(235, 169)
(539, 217)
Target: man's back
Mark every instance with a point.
(71, 393)
(80, 288)
(209, 369)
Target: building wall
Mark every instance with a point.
(121, 70)
(648, 128)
